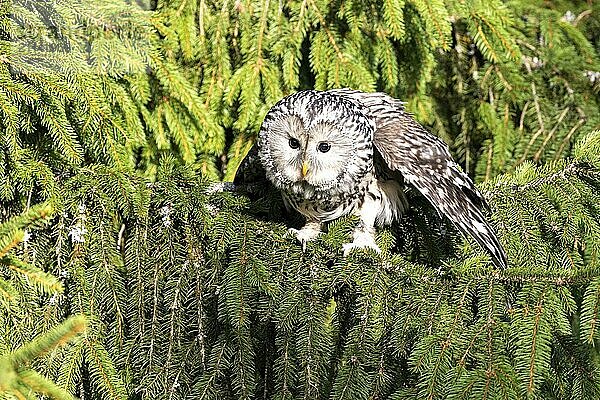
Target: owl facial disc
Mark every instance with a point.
(315, 139)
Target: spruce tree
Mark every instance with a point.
(120, 117)
(16, 376)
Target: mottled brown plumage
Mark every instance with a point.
(342, 151)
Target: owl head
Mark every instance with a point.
(315, 140)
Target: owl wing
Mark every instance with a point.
(250, 169)
(251, 177)
(425, 162)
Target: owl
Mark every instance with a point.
(339, 152)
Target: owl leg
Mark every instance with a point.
(364, 233)
(308, 232)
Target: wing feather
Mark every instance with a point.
(250, 169)
(425, 162)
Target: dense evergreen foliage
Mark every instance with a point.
(115, 119)
(15, 377)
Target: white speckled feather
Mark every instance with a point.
(343, 151)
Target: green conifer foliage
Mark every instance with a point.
(61, 103)
(22, 382)
(502, 81)
(196, 293)
(81, 83)
(16, 377)
(12, 233)
(117, 115)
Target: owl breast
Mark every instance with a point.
(325, 206)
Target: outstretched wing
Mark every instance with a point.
(426, 163)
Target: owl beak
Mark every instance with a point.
(304, 168)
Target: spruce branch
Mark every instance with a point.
(197, 292)
(15, 376)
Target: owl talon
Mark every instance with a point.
(305, 235)
(349, 247)
(362, 240)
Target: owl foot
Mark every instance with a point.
(362, 240)
(308, 232)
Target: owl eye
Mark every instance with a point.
(294, 143)
(324, 147)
